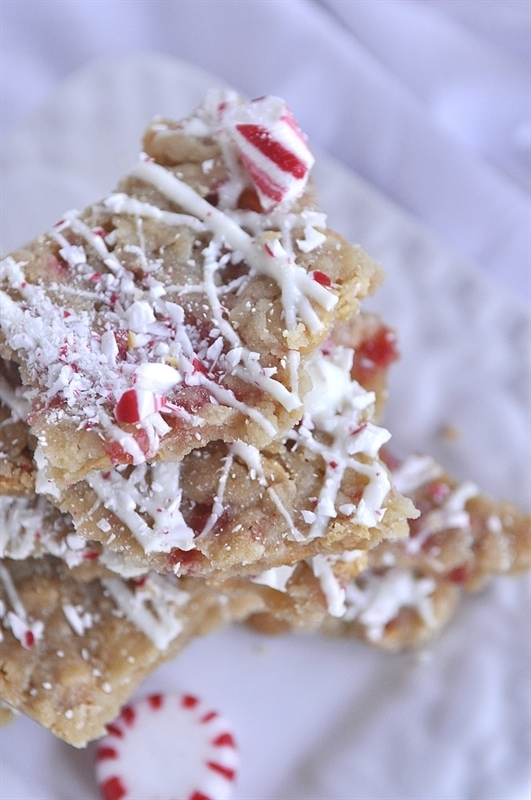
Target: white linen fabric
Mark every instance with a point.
(428, 100)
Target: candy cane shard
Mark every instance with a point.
(273, 149)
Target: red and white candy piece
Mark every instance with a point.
(272, 147)
(152, 381)
(137, 404)
(167, 747)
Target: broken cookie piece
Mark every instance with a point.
(401, 593)
(230, 509)
(180, 309)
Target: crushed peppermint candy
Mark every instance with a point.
(272, 147)
(135, 405)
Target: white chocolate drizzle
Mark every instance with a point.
(322, 566)
(377, 599)
(415, 471)
(30, 527)
(154, 606)
(270, 258)
(147, 498)
(78, 619)
(450, 512)
(151, 511)
(338, 407)
(27, 631)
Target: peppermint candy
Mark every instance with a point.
(272, 147)
(137, 404)
(167, 747)
(152, 381)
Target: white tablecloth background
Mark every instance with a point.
(428, 100)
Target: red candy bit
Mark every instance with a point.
(121, 338)
(187, 562)
(91, 555)
(118, 455)
(189, 701)
(56, 266)
(156, 700)
(128, 715)
(226, 771)
(199, 516)
(223, 739)
(376, 353)
(114, 731)
(321, 277)
(198, 366)
(269, 250)
(459, 574)
(192, 752)
(137, 404)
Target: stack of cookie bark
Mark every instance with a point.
(190, 402)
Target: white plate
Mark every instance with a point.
(319, 719)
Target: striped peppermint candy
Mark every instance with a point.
(136, 404)
(152, 381)
(167, 747)
(272, 147)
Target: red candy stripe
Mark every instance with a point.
(137, 404)
(272, 149)
(113, 789)
(262, 139)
